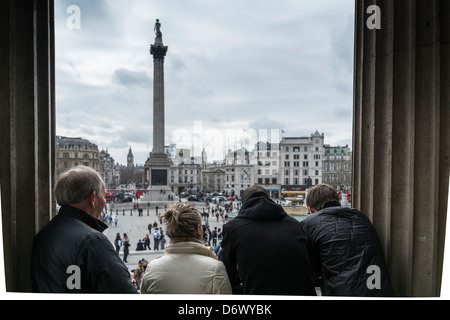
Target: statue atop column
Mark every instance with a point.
(157, 29)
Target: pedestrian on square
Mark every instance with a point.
(118, 243)
(162, 238)
(71, 254)
(126, 247)
(214, 236)
(147, 242)
(116, 219)
(156, 237)
(343, 245)
(187, 267)
(264, 249)
(206, 234)
(140, 270)
(140, 245)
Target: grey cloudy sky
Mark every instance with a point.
(232, 66)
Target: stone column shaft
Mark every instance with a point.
(158, 106)
(401, 135)
(27, 116)
(158, 50)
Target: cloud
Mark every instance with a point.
(230, 65)
(131, 78)
(342, 63)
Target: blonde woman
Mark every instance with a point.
(188, 267)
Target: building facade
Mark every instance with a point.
(185, 176)
(72, 152)
(109, 170)
(267, 166)
(185, 172)
(213, 177)
(337, 167)
(239, 171)
(301, 159)
(294, 163)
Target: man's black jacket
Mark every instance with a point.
(72, 245)
(346, 253)
(265, 249)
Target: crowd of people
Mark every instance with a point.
(262, 251)
(210, 236)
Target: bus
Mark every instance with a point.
(140, 192)
(293, 192)
(111, 194)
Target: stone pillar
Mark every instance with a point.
(158, 51)
(158, 163)
(401, 135)
(27, 129)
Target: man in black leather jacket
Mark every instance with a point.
(265, 249)
(71, 254)
(346, 255)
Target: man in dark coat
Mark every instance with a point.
(264, 249)
(71, 254)
(346, 255)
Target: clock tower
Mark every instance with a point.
(130, 160)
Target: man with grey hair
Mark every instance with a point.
(71, 254)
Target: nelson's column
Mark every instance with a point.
(158, 164)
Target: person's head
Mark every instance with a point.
(183, 220)
(251, 191)
(321, 195)
(81, 187)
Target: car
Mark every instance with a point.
(193, 197)
(124, 197)
(231, 198)
(218, 199)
